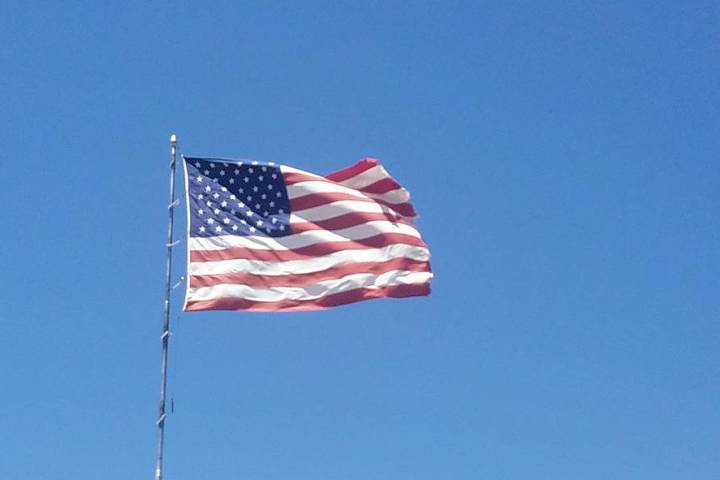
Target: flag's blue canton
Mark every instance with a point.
(236, 198)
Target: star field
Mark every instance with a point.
(236, 198)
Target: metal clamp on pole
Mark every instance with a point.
(179, 282)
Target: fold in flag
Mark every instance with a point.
(267, 237)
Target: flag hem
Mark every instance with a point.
(187, 235)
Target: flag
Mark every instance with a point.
(268, 237)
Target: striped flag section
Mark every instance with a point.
(266, 237)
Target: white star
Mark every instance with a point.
(251, 169)
(271, 163)
(210, 221)
(255, 189)
(202, 228)
(222, 173)
(208, 188)
(249, 213)
(232, 197)
(263, 196)
(212, 165)
(255, 162)
(200, 211)
(241, 204)
(232, 180)
(269, 186)
(261, 178)
(265, 213)
(218, 229)
(281, 211)
(246, 179)
(207, 172)
(282, 227)
(197, 164)
(264, 169)
(198, 179)
(200, 196)
(259, 223)
(239, 164)
(237, 171)
(274, 220)
(243, 222)
(215, 180)
(257, 206)
(278, 194)
(241, 190)
(272, 204)
(223, 189)
(252, 229)
(208, 203)
(274, 175)
(223, 204)
(216, 195)
(234, 227)
(216, 211)
(226, 220)
(232, 211)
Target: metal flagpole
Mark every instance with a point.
(172, 203)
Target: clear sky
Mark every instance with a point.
(563, 157)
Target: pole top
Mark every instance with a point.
(173, 138)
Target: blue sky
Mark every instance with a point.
(563, 159)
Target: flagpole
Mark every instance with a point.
(172, 203)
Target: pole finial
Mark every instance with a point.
(173, 138)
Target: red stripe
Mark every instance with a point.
(381, 186)
(292, 178)
(317, 199)
(303, 253)
(347, 220)
(394, 291)
(358, 168)
(303, 279)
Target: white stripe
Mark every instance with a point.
(303, 239)
(368, 177)
(301, 189)
(341, 207)
(315, 264)
(310, 292)
(399, 195)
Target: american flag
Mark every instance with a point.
(267, 237)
